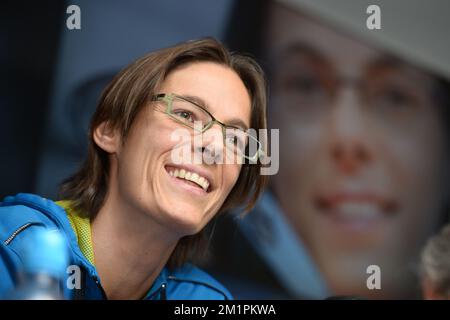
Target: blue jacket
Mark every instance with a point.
(23, 213)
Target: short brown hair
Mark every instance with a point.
(125, 96)
(435, 262)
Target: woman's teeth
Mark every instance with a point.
(190, 176)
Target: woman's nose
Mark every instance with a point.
(211, 146)
(350, 148)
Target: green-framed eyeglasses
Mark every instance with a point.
(188, 113)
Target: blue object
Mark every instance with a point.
(23, 215)
(46, 253)
(45, 261)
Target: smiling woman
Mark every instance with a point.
(137, 215)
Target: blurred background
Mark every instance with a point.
(363, 119)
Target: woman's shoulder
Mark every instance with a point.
(20, 216)
(22, 209)
(24, 212)
(27, 207)
(199, 284)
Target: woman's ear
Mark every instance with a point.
(107, 137)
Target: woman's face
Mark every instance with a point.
(361, 153)
(145, 161)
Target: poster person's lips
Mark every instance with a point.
(355, 206)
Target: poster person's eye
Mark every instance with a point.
(394, 98)
(304, 85)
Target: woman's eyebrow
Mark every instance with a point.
(236, 122)
(196, 100)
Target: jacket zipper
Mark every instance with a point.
(19, 230)
(162, 289)
(97, 282)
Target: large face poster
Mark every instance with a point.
(357, 143)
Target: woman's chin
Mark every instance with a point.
(186, 221)
(184, 228)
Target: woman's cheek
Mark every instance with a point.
(231, 175)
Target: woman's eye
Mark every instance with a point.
(233, 140)
(185, 115)
(237, 142)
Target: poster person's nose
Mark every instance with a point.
(349, 146)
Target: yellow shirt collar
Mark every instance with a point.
(81, 227)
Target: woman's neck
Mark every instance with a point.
(130, 249)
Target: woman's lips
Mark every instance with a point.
(190, 186)
(359, 209)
